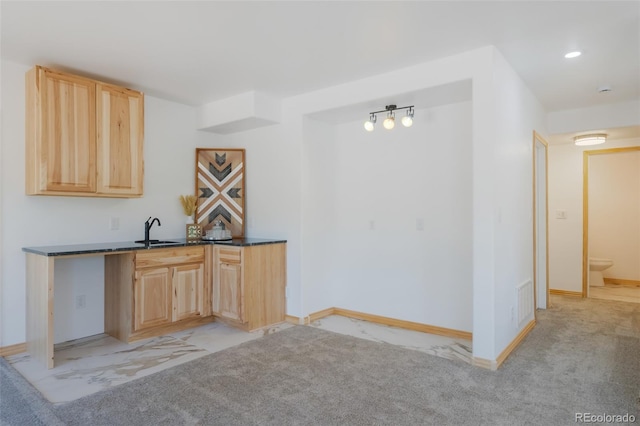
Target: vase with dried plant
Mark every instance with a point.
(189, 205)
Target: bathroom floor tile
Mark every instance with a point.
(621, 293)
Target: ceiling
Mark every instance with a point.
(203, 51)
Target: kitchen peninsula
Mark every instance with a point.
(155, 289)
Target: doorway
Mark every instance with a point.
(626, 294)
(540, 223)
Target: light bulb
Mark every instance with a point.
(368, 125)
(389, 123)
(407, 121)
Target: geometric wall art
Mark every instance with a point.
(220, 189)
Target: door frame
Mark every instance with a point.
(538, 138)
(585, 208)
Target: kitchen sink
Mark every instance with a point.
(156, 242)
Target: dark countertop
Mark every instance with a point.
(104, 248)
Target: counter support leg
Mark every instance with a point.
(40, 308)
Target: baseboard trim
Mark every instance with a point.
(174, 327)
(320, 314)
(18, 348)
(408, 325)
(621, 281)
(493, 365)
(293, 319)
(565, 292)
(484, 363)
(515, 342)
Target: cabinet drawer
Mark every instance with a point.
(169, 256)
(230, 255)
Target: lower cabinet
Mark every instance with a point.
(152, 298)
(249, 284)
(152, 292)
(229, 301)
(165, 295)
(187, 283)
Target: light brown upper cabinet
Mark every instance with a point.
(83, 137)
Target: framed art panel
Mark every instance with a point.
(220, 189)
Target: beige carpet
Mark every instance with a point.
(582, 357)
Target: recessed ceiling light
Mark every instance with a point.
(571, 55)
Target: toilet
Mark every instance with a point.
(596, 266)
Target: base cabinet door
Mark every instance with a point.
(230, 297)
(152, 298)
(187, 291)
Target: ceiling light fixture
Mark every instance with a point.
(390, 122)
(572, 55)
(369, 125)
(407, 120)
(594, 139)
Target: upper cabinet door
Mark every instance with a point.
(120, 134)
(63, 132)
(83, 137)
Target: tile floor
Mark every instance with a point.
(619, 292)
(88, 365)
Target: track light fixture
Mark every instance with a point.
(390, 122)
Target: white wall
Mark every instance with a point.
(322, 212)
(395, 179)
(614, 212)
(565, 194)
(169, 153)
(322, 215)
(518, 113)
(608, 116)
(273, 188)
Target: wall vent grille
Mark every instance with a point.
(525, 301)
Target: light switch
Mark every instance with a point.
(561, 214)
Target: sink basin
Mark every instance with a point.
(156, 242)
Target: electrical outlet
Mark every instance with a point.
(419, 224)
(114, 223)
(81, 301)
(372, 225)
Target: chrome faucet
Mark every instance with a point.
(147, 227)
